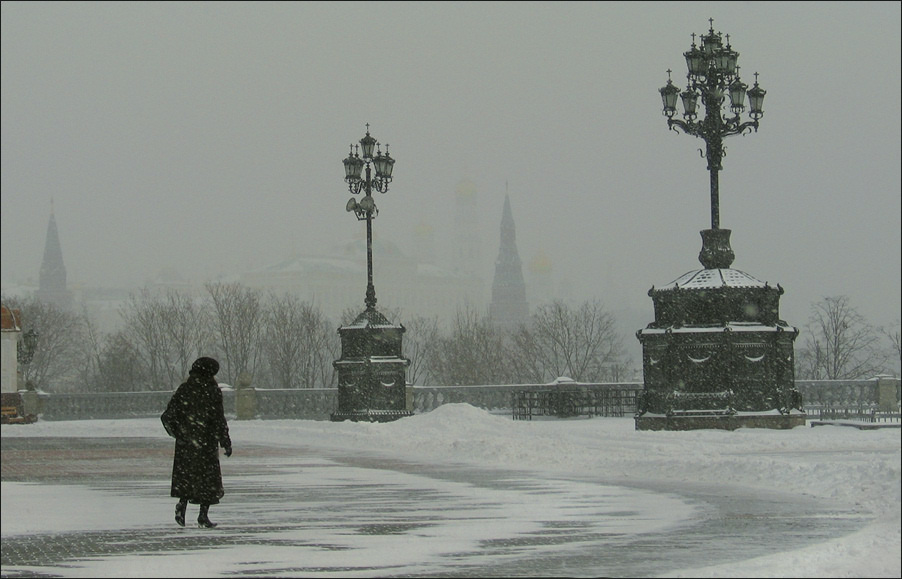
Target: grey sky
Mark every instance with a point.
(208, 137)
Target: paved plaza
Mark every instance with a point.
(302, 514)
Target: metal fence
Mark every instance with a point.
(596, 400)
(868, 413)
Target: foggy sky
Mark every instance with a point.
(208, 137)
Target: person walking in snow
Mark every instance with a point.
(196, 419)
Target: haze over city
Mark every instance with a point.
(207, 138)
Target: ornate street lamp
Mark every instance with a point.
(717, 354)
(365, 209)
(25, 351)
(713, 75)
(372, 372)
(27, 347)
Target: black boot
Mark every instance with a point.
(180, 512)
(203, 520)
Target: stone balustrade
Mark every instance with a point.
(882, 392)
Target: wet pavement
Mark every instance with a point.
(304, 513)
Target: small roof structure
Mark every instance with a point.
(11, 319)
(713, 278)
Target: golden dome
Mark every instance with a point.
(540, 263)
(423, 229)
(466, 188)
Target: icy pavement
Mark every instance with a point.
(294, 511)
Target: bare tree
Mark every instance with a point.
(142, 314)
(581, 343)
(283, 338)
(188, 329)
(839, 344)
(324, 348)
(89, 367)
(57, 357)
(239, 317)
(420, 340)
(168, 330)
(474, 353)
(299, 345)
(530, 366)
(119, 367)
(895, 349)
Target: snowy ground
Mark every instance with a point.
(858, 469)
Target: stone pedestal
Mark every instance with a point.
(31, 403)
(886, 394)
(246, 403)
(372, 373)
(245, 398)
(20, 407)
(717, 347)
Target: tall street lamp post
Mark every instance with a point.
(372, 373)
(25, 351)
(717, 355)
(362, 157)
(713, 73)
(28, 397)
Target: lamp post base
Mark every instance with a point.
(369, 415)
(702, 420)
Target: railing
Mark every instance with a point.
(868, 413)
(565, 402)
(523, 400)
(94, 405)
(304, 403)
(837, 392)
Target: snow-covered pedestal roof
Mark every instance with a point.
(714, 278)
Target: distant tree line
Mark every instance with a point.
(281, 341)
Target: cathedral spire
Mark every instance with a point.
(52, 278)
(509, 307)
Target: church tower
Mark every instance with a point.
(52, 279)
(509, 308)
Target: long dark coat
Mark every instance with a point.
(200, 428)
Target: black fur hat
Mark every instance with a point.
(205, 367)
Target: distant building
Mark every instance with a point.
(508, 308)
(420, 283)
(335, 281)
(52, 287)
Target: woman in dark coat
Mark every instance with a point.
(195, 417)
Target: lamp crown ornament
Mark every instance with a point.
(712, 76)
(712, 72)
